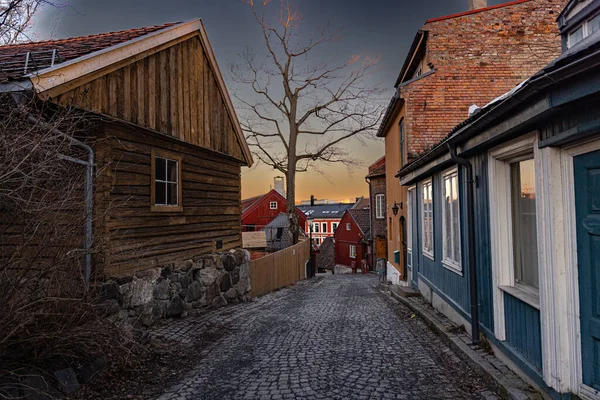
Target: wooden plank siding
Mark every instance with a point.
(173, 91)
(139, 238)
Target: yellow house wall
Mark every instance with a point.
(394, 192)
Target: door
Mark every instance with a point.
(381, 247)
(587, 205)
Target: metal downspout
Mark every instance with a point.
(471, 241)
(89, 194)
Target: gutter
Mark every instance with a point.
(471, 241)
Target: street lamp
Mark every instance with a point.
(395, 208)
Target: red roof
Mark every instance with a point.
(13, 57)
(478, 10)
(378, 167)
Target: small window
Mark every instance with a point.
(524, 223)
(594, 24)
(451, 221)
(380, 206)
(334, 226)
(318, 241)
(402, 144)
(427, 218)
(324, 226)
(273, 205)
(166, 190)
(316, 227)
(348, 226)
(576, 36)
(352, 251)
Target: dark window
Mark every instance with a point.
(402, 142)
(166, 182)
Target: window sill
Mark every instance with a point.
(456, 268)
(430, 256)
(166, 209)
(524, 294)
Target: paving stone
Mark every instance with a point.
(334, 337)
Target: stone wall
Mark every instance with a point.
(180, 289)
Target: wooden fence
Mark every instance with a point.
(280, 269)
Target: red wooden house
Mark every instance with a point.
(351, 237)
(259, 211)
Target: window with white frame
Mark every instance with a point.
(409, 219)
(316, 227)
(348, 226)
(451, 221)
(427, 217)
(324, 226)
(352, 251)
(584, 30)
(334, 226)
(273, 205)
(514, 220)
(380, 206)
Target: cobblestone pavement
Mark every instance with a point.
(329, 338)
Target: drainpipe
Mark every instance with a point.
(89, 193)
(471, 240)
(371, 240)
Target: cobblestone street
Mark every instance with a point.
(336, 337)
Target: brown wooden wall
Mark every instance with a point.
(173, 91)
(138, 238)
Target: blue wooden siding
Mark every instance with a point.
(454, 286)
(523, 330)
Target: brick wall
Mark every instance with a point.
(477, 57)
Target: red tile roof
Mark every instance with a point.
(377, 168)
(13, 57)
(476, 11)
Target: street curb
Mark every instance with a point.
(508, 384)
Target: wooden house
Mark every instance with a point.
(168, 146)
(504, 218)
(351, 238)
(323, 219)
(259, 211)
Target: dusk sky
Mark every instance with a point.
(384, 27)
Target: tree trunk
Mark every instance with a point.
(291, 199)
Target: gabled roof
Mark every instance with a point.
(22, 59)
(362, 219)
(377, 168)
(324, 211)
(77, 59)
(362, 204)
(250, 204)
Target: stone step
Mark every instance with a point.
(405, 291)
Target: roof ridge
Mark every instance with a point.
(92, 35)
(475, 11)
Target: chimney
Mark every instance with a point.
(476, 4)
(280, 185)
(312, 200)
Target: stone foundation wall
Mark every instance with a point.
(181, 289)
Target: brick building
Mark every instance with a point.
(455, 62)
(378, 238)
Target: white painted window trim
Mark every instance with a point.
(273, 205)
(316, 227)
(324, 230)
(448, 263)
(427, 253)
(584, 28)
(352, 251)
(501, 221)
(334, 226)
(348, 226)
(380, 206)
(409, 230)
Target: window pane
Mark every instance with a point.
(159, 169)
(594, 24)
(448, 217)
(172, 170)
(455, 220)
(172, 194)
(160, 193)
(576, 36)
(524, 223)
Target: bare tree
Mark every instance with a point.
(300, 110)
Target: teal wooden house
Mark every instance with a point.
(504, 218)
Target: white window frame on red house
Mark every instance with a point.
(324, 227)
(380, 206)
(316, 227)
(334, 226)
(352, 251)
(348, 226)
(273, 205)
